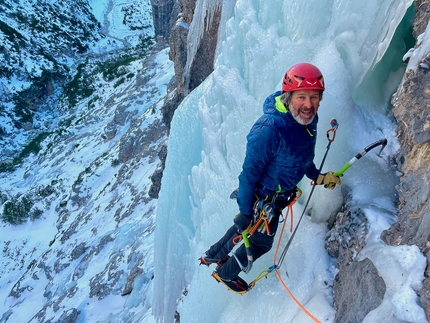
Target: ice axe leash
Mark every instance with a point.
(382, 142)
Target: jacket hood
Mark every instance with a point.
(269, 105)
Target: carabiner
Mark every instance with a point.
(237, 239)
(333, 129)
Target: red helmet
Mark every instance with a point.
(303, 76)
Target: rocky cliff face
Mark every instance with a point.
(358, 286)
(412, 112)
(163, 13)
(200, 64)
(179, 16)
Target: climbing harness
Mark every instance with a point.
(266, 272)
(263, 215)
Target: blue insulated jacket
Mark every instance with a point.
(279, 152)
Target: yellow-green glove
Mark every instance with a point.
(328, 179)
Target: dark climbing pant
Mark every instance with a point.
(260, 243)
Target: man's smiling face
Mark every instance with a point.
(304, 105)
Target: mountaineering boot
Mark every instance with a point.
(238, 285)
(207, 261)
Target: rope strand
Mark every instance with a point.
(295, 299)
(276, 266)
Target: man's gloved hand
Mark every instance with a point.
(242, 222)
(328, 179)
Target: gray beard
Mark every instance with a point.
(301, 121)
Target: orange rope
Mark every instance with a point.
(290, 210)
(295, 299)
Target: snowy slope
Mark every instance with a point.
(87, 255)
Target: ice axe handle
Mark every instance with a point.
(249, 255)
(382, 142)
(342, 170)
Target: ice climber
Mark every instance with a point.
(280, 151)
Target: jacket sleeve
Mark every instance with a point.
(262, 145)
(312, 172)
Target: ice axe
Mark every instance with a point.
(382, 142)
